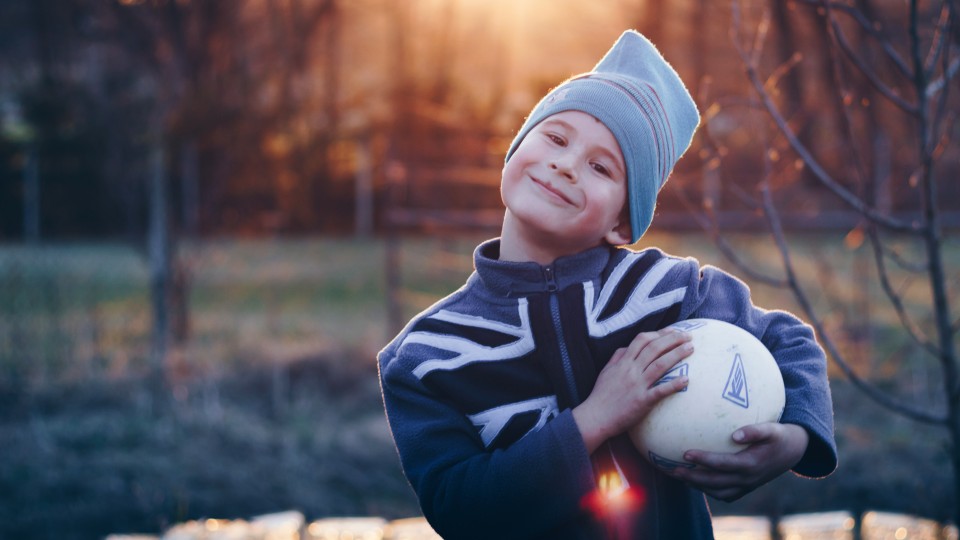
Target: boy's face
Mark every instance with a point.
(565, 185)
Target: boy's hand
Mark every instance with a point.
(774, 449)
(624, 392)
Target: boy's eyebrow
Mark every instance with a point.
(617, 161)
(558, 121)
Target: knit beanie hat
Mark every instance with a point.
(640, 98)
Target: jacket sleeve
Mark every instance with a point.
(466, 491)
(715, 294)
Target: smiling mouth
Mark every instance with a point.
(553, 190)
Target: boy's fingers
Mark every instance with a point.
(754, 433)
(617, 355)
(643, 339)
(661, 391)
(639, 343)
(715, 463)
(704, 477)
(649, 346)
(665, 361)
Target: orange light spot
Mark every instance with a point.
(854, 239)
(613, 497)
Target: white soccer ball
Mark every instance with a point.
(733, 382)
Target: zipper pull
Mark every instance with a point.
(548, 276)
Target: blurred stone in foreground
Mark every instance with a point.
(820, 526)
(888, 526)
(214, 529)
(347, 528)
(293, 526)
(741, 528)
(411, 529)
(279, 526)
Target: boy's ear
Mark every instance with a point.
(620, 234)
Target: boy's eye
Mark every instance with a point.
(556, 139)
(601, 169)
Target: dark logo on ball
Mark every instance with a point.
(736, 391)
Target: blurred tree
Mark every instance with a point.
(893, 71)
(54, 122)
(200, 70)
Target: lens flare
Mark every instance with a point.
(614, 497)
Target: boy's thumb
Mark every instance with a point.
(750, 434)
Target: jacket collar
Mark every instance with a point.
(512, 279)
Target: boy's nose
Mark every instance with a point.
(563, 167)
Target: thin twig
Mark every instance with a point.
(949, 72)
(761, 37)
(844, 89)
(950, 69)
(725, 102)
(940, 115)
(939, 41)
(865, 68)
(710, 225)
(911, 327)
(783, 69)
(827, 286)
(811, 162)
(867, 25)
(870, 390)
(903, 263)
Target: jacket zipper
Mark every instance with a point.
(552, 288)
(565, 361)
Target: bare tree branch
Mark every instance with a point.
(863, 385)
(864, 68)
(821, 174)
(911, 327)
(845, 108)
(760, 38)
(927, 43)
(932, 232)
(832, 292)
(910, 266)
(782, 70)
(940, 116)
(871, 30)
(711, 225)
(939, 40)
(949, 72)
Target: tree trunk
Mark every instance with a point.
(31, 195)
(651, 23)
(189, 187)
(159, 254)
(363, 213)
(180, 269)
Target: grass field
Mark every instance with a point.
(276, 404)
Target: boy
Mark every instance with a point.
(508, 400)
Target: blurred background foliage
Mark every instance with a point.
(267, 111)
(213, 213)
